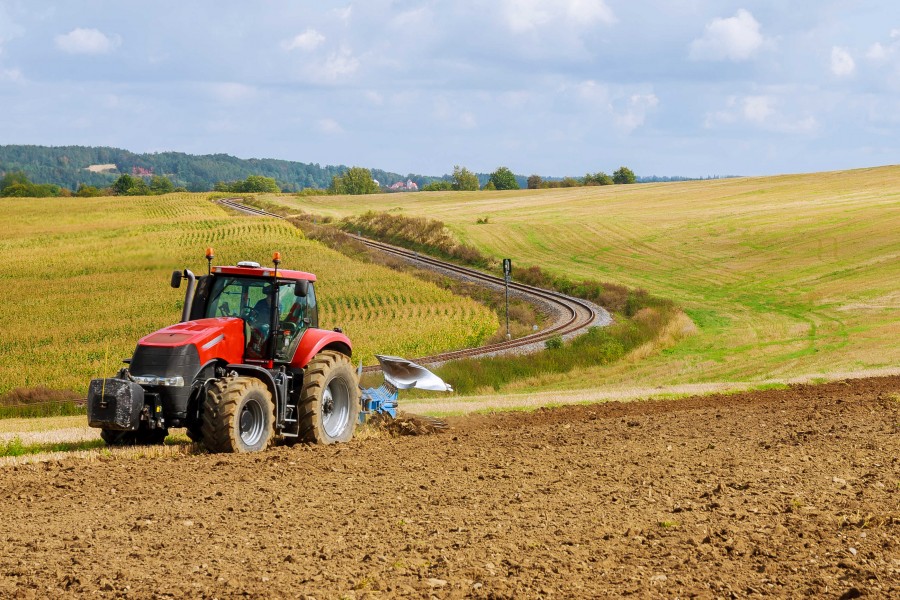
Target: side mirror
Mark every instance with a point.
(176, 279)
(301, 288)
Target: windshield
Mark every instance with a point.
(250, 299)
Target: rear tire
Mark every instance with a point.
(238, 416)
(329, 401)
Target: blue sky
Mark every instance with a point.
(555, 87)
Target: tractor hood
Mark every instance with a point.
(221, 337)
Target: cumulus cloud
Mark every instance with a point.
(880, 52)
(761, 111)
(734, 38)
(308, 40)
(528, 15)
(329, 126)
(842, 63)
(335, 68)
(87, 41)
(635, 113)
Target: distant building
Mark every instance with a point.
(408, 186)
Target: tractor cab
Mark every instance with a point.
(276, 309)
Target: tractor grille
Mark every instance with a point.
(183, 361)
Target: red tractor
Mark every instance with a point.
(246, 364)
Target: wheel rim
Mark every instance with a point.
(335, 408)
(251, 423)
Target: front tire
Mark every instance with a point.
(238, 416)
(329, 401)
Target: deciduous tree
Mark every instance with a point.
(464, 180)
(355, 181)
(503, 179)
(624, 175)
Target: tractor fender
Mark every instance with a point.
(316, 340)
(258, 372)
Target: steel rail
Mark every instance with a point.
(575, 314)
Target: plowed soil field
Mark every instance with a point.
(786, 493)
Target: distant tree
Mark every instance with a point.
(13, 178)
(568, 182)
(355, 181)
(124, 183)
(464, 180)
(88, 191)
(489, 186)
(534, 182)
(161, 185)
(258, 183)
(438, 186)
(17, 185)
(598, 178)
(253, 184)
(138, 188)
(504, 179)
(624, 175)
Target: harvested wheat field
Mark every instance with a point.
(785, 493)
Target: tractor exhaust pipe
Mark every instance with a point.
(177, 276)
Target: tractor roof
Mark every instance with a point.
(257, 271)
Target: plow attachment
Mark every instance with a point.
(399, 374)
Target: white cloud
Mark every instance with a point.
(877, 52)
(11, 75)
(340, 64)
(345, 13)
(87, 41)
(230, 91)
(335, 68)
(308, 40)
(761, 111)
(467, 121)
(736, 38)
(528, 15)
(636, 112)
(842, 63)
(329, 126)
(9, 30)
(758, 108)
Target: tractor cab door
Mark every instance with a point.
(297, 314)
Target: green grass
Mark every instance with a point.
(784, 276)
(15, 447)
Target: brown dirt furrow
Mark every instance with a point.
(782, 493)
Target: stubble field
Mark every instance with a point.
(784, 276)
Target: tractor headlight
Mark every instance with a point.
(155, 380)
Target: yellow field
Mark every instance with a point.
(784, 276)
(84, 278)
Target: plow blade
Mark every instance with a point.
(399, 374)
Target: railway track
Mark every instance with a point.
(571, 316)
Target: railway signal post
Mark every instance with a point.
(507, 271)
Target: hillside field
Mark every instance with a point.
(784, 276)
(84, 279)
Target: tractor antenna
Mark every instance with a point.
(276, 258)
(209, 258)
